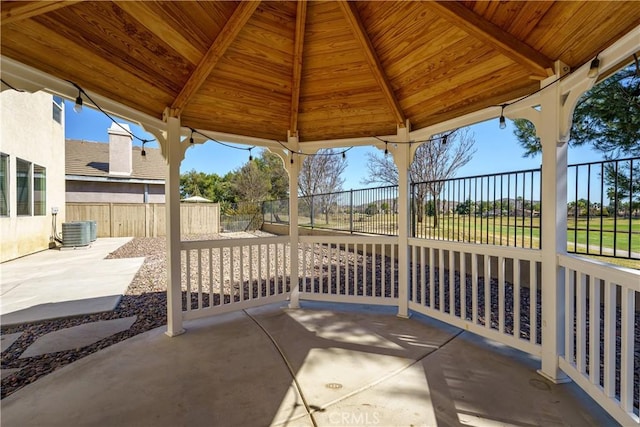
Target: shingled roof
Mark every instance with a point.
(87, 158)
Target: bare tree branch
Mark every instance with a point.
(321, 175)
(380, 170)
(434, 162)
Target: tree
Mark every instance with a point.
(321, 174)
(193, 183)
(211, 186)
(464, 208)
(371, 209)
(607, 116)
(272, 165)
(251, 183)
(435, 161)
(430, 208)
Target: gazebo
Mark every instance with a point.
(298, 76)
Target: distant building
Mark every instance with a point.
(114, 172)
(32, 186)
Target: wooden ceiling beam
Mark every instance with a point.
(353, 18)
(301, 18)
(19, 10)
(145, 13)
(227, 35)
(489, 33)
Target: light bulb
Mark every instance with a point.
(503, 122)
(594, 68)
(78, 107)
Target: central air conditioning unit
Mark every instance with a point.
(76, 234)
(93, 229)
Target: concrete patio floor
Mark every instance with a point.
(65, 282)
(324, 364)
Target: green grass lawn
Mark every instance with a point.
(505, 230)
(514, 231)
(612, 233)
(500, 230)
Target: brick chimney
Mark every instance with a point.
(120, 150)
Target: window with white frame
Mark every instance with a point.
(4, 184)
(57, 109)
(23, 187)
(39, 190)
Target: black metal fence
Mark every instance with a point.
(368, 210)
(603, 209)
(497, 209)
(244, 216)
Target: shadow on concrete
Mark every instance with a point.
(338, 364)
(56, 310)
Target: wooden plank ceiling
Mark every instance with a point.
(322, 70)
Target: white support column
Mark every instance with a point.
(293, 168)
(553, 135)
(174, 154)
(402, 159)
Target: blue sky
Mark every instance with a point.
(496, 149)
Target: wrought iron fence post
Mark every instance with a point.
(351, 211)
(412, 208)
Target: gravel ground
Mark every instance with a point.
(146, 296)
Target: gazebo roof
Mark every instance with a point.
(325, 70)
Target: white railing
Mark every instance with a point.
(601, 336)
(356, 269)
(219, 276)
(492, 291)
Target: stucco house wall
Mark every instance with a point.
(29, 132)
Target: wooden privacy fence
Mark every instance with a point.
(144, 219)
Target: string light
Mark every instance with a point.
(503, 106)
(635, 57)
(301, 153)
(442, 138)
(78, 107)
(593, 72)
(594, 68)
(222, 143)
